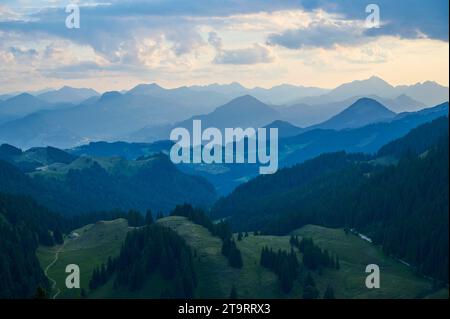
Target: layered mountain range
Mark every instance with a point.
(70, 117)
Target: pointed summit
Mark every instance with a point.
(146, 89)
(363, 112)
(242, 112)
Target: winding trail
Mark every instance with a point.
(58, 291)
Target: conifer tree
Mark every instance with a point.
(329, 293)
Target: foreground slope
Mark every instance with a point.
(215, 277)
(88, 247)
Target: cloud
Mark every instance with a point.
(19, 53)
(321, 34)
(163, 38)
(108, 28)
(406, 19)
(409, 19)
(215, 40)
(252, 55)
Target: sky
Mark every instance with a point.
(319, 43)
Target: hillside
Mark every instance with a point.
(23, 226)
(92, 246)
(309, 144)
(296, 145)
(85, 184)
(345, 190)
(215, 277)
(130, 151)
(418, 140)
(367, 139)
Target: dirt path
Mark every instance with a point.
(58, 291)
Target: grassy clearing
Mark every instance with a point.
(397, 280)
(96, 242)
(215, 277)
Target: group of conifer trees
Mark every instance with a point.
(289, 269)
(221, 230)
(24, 225)
(313, 256)
(284, 264)
(148, 250)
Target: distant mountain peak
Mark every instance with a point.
(237, 85)
(23, 96)
(376, 78)
(244, 102)
(363, 112)
(246, 98)
(144, 89)
(366, 103)
(24, 99)
(68, 94)
(366, 100)
(153, 85)
(109, 96)
(9, 150)
(281, 123)
(70, 88)
(285, 129)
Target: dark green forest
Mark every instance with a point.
(23, 226)
(86, 186)
(145, 251)
(403, 207)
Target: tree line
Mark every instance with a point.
(313, 256)
(220, 229)
(146, 251)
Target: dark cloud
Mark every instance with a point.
(408, 19)
(403, 18)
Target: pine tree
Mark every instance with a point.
(58, 237)
(309, 281)
(310, 292)
(40, 293)
(233, 293)
(329, 293)
(235, 258)
(337, 264)
(149, 217)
